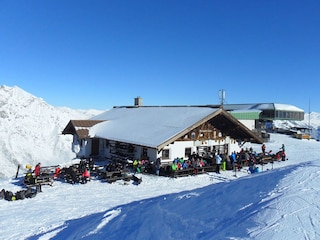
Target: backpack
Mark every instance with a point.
(20, 195)
(8, 195)
(29, 193)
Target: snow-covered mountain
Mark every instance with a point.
(26, 119)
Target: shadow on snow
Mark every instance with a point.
(217, 211)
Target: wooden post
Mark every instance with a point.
(18, 170)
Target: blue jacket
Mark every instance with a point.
(218, 159)
(234, 157)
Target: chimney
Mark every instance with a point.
(138, 102)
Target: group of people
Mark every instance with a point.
(280, 155)
(234, 161)
(81, 173)
(77, 173)
(195, 161)
(249, 158)
(180, 163)
(143, 166)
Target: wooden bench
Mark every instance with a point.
(39, 181)
(264, 159)
(113, 176)
(183, 172)
(97, 171)
(205, 169)
(193, 171)
(45, 180)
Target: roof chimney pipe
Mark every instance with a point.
(138, 102)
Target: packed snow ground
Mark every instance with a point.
(281, 202)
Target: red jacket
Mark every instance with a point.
(37, 170)
(86, 174)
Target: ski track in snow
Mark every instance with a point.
(298, 203)
(106, 218)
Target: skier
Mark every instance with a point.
(218, 162)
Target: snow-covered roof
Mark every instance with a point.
(262, 106)
(147, 126)
(277, 107)
(155, 126)
(286, 107)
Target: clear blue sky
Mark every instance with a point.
(99, 54)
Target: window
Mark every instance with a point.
(187, 152)
(144, 152)
(193, 135)
(165, 154)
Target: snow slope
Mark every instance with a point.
(281, 202)
(31, 130)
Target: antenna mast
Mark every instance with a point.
(222, 96)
